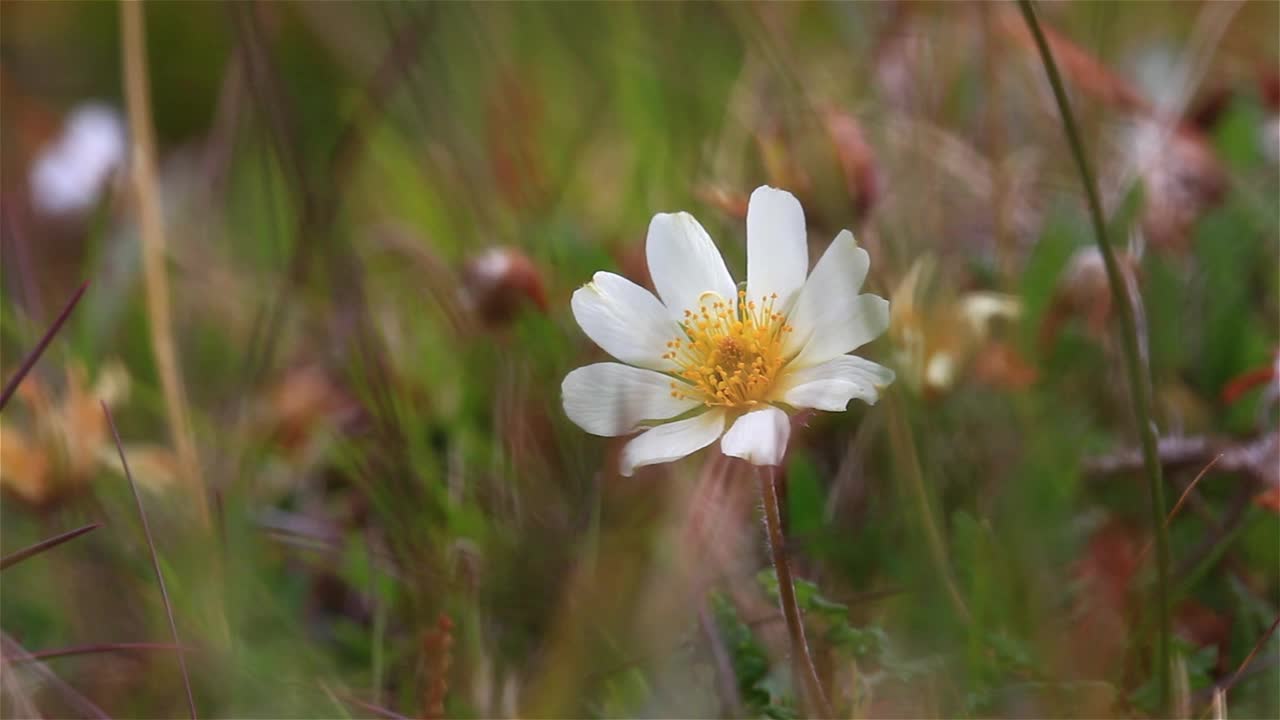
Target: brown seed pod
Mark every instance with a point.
(498, 281)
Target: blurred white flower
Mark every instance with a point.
(708, 357)
(939, 335)
(69, 173)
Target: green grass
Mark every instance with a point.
(956, 553)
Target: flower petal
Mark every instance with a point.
(834, 282)
(831, 385)
(777, 247)
(611, 399)
(759, 437)
(829, 318)
(684, 263)
(672, 441)
(847, 324)
(625, 320)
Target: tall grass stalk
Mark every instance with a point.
(145, 191)
(1139, 380)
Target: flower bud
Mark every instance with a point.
(498, 281)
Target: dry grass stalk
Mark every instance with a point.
(145, 191)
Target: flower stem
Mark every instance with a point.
(1139, 388)
(802, 662)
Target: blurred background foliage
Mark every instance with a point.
(374, 216)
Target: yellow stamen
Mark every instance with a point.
(730, 353)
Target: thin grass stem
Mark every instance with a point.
(47, 544)
(75, 650)
(1139, 381)
(11, 386)
(145, 190)
(1244, 664)
(905, 448)
(155, 559)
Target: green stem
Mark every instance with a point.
(905, 449)
(1139, 388)
(802, 661)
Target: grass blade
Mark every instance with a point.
(155, 559)
(9, 561)
(74, 650)
(12, 385)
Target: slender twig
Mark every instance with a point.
(12, 385)
(1254, 456)
(155, 558)
(1213, 542)
(802, 661)
(11, 649)
(1181, 500)
(145, 189)
(1187, 493)
(1244, 664)
(1139, 389)
(46, 544)
(1260, 666)
(40, 655)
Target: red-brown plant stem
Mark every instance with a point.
(802, 661)
(74, 650)
(47, 544)
(11, 386)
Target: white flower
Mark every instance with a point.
(709, 356)
(68, 174)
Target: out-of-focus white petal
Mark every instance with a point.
(981, 309)
(832, 384)
(759, 437)
(672, 441)
(611, 399)
(834, 282)
(625, 320)
(777, 248)
(684, 263)
(68, 175)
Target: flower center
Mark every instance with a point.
(730, 352)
